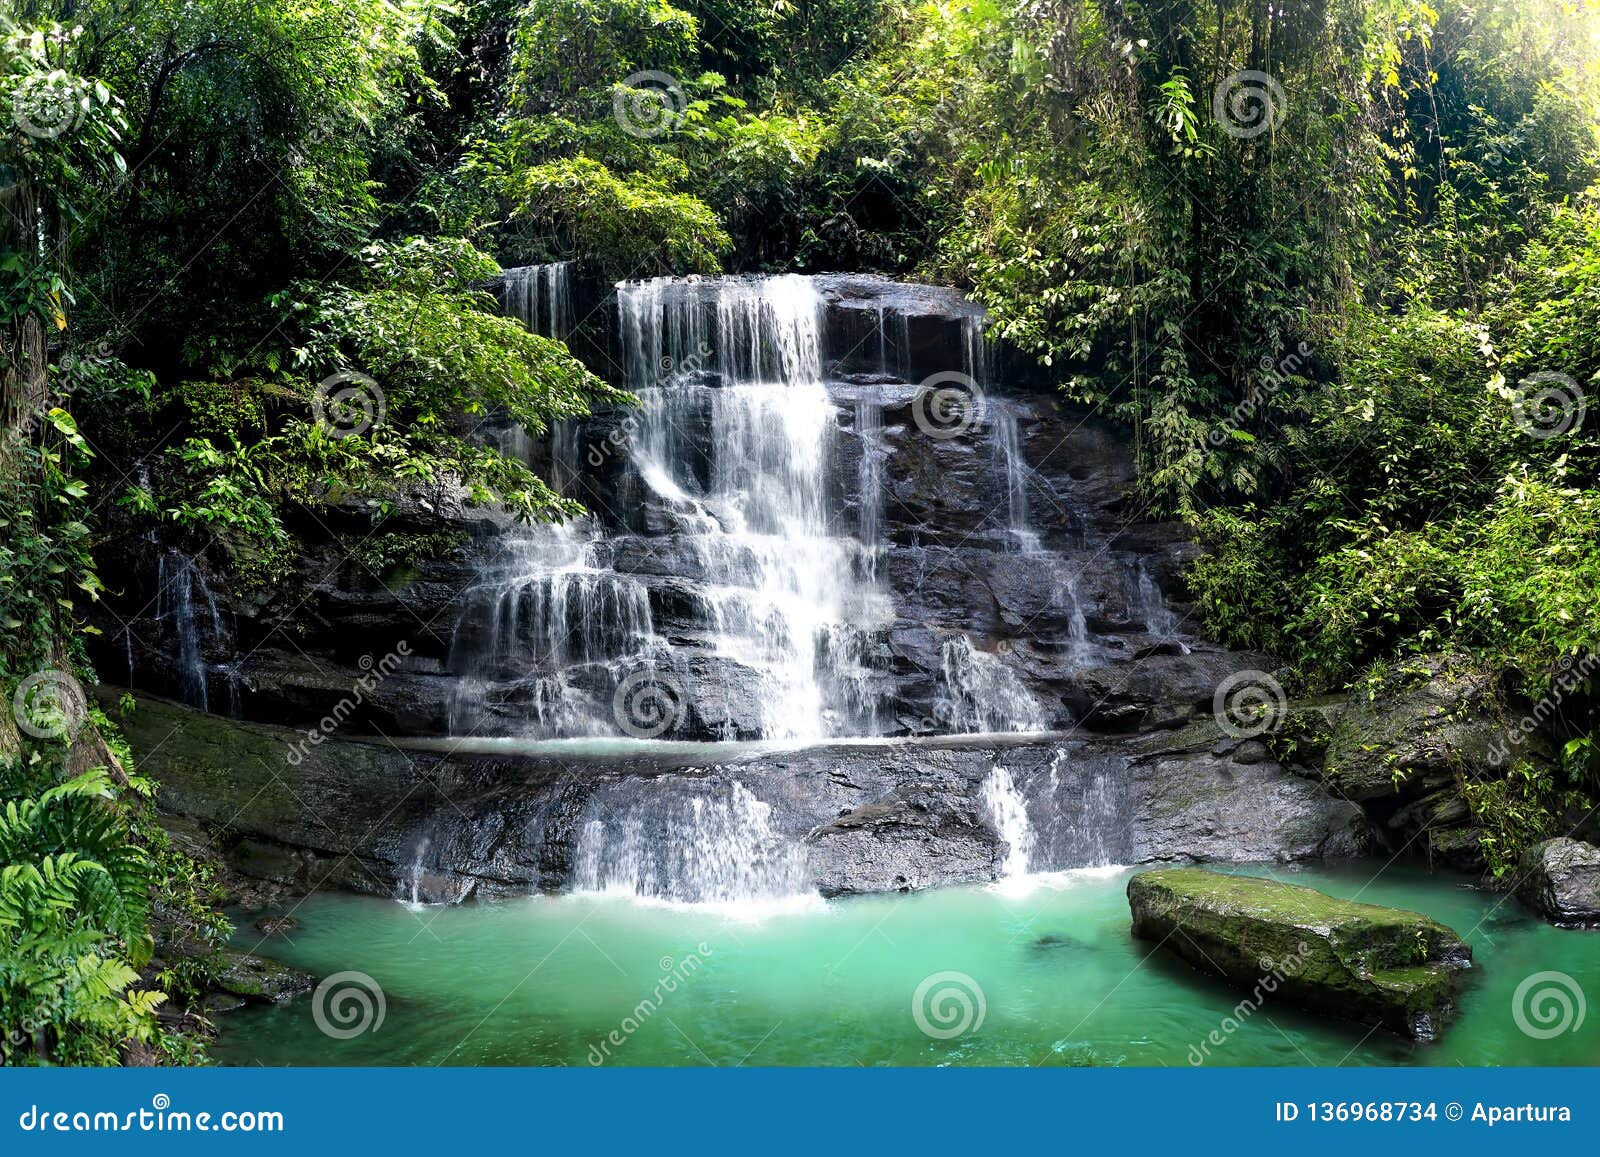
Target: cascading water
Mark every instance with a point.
(1084, 811)
(1009, 813)
(697, 841)
(1018, 475)
(731, 446)
(547, 636)
(1159, 619)
(177, 580)
(785, 592)
(540, 296)
(981, 694)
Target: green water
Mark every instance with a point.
(545, 980)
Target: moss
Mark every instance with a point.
(1381, 965)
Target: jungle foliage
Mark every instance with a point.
(1335, 264)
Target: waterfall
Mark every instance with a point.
(1018, 475)
(177, 579)
(1009, 812)
(869, 478)
(688, 841)
(1077, 626)
(982, 694)
(540, 296)
(739, 361)
(975, 349)
(547, 636)
(1159, 619)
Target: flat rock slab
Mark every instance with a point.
(1381, 966)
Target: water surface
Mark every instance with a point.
(546, 980)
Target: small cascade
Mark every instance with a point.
(1078, 646)
(869, 478)
(686, 841)
(1009, 813)
(547, 636)
(1159, 619)
(1018, 476)
(415, 879)
(982, 694)
(1088, 805)
(540, 296)
(975, 350)
(177, 581)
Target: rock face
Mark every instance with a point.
(1006, 551)
(1561, 882)
(1403, 752)
(786, 501)
(445, 820)
(1377, 965)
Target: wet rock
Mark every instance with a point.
(276, 925)
(445, 820)
(1560, 880)
(1381, 966)
(259, 980)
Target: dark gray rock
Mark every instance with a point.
(1560, 880)
(444, 820)
(1402, 750)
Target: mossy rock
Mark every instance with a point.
(1427, 724)
(259, 980)
(1381, 966)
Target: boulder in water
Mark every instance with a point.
(1381, 966)
(259, 980)
(1561, 882)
